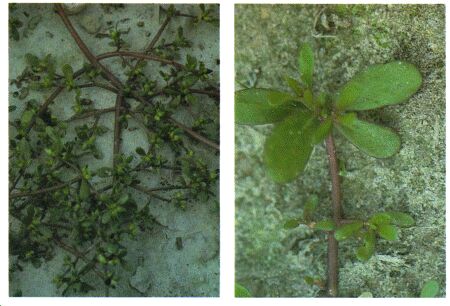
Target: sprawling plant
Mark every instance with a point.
(304, 119)
(63, 195)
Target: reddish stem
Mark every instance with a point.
(333, 247)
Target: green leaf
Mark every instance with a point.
(104, 172)
(401, 219)
(310, 207)
(262, 106)
(288, 149)
(308, 100)
(388, 232)
(140, 151)
(292, 223)
(309, 280)
(241, 291)
(347, 230)
(325, 225)
(294, 85)
(85, 191)
(430, 289)
(380, 218)
(366, 294)
(123, 199)
(322, 131)
(101, 259)
(306, 64)
(366, 251)
(26, 118)
(380, 85)
(32, 60)
(68, 72)
(372, 139)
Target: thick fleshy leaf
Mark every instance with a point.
(430, 289)
(262, 106)
(401, 219)
(380, 85)
(288, 149)
(347, 230)
(306, 64)
(388, 232)
(372, 139)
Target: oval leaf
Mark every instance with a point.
(388, 232)
(380, 85)
(68, 72)
(26, 118)
(430, 289)
(306, 64)
(294, 85)
(292, 223)
(401, 219)
(366, 251)
(287, 150)
(372, 139)
(325, 225)
(140, 151)
(262, 106)
(241, 291)
(84, 190)
(347, 230)
(380, 218)
(322, 131)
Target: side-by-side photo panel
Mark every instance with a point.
(114, 150)
(340, 150)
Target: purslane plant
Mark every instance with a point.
(63, 197)
(304, 119)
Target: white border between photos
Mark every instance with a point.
(227, 210)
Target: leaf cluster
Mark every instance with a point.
(64, 195)
(384, 225)
(303, 118)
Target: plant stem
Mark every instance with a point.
(142, 56)
(155, 39)
(44, 190)
(90, 57)
(149, 192)
(78, 254)
(333, 264)
(116, 148)
(196, 135)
